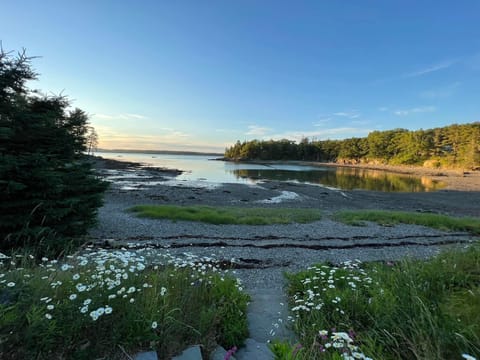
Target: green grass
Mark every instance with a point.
(407, 310)
(228, 215)
(103, 304)
(442, 222)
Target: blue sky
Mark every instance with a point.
(198, 75)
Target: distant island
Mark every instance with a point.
(159, 152)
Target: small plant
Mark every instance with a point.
(436, 221)
(228, 215)
(404, 310)
(101, 302)
(282, 350)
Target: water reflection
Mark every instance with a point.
(346, 179)
(200, 171)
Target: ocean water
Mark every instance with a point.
(204, 170)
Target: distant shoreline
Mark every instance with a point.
(159, 152)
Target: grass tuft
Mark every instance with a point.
(407, 310)
(228, 215)
(388, 218)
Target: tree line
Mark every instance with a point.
(456, 146)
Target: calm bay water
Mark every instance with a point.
(203, 170)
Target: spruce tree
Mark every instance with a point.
(49, 194)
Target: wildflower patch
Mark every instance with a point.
(103, 302)
(393, 310)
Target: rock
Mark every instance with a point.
(254, 350)
(192, 353)
(219, 354)
(267, 306)
(147, 355)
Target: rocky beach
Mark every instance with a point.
(261, 250)
(259, 255)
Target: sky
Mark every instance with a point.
(200, 75)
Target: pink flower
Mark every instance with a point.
(230, 353)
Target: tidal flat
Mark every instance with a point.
(262, 252)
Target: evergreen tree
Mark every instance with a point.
(48, 192)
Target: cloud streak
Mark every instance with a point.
(125, 116)
(432, 68)
(255, 130)
(416, 110)
(110, 137)
(352, 114)
(331, 133)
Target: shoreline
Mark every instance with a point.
(264, 253)
(454, 179)
(101, 163)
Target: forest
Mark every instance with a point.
(453, 146)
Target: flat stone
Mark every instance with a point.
(254, 350)
(219, 354)
(147, 355)
(192, 353)
(264, 313)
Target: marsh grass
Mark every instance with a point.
(436, 221)
(102, 303)
(228, 215)
(407, 310)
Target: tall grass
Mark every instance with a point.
(436, 221)
(104, 303)
(408, 310)
(228, 215)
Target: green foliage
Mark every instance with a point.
(228, 215)
(406, 310)
(98, 303)
(455, 146)
(436, 221)
(48, 192)
(282, 350)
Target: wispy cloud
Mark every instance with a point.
(111, 135)
(125, 116)
(432, 68)
(423, 109)
(359, 122)
(226, 131)
(441, 92)
(255, 130)
(112, 138)
(331, 133)
(323, 120)
(383, 108)
(351, 114)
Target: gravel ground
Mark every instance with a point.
(260, 255)
(263, 253)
